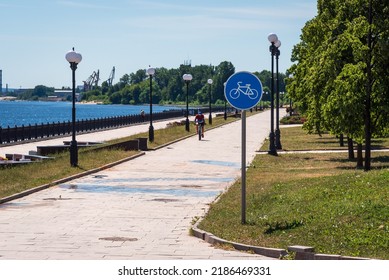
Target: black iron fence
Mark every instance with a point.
(49, 130)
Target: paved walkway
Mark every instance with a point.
(141, 209)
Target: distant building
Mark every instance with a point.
(64, 94)
(53, 98)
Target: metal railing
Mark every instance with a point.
(49, 130)
(16, 134)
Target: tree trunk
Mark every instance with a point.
(359, 156)
(369, 89)
(350, 148)
(341, 140)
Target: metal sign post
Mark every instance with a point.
(243, 91)
(243, 175)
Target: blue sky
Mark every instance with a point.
(132, 34)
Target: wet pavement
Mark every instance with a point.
(140, 209)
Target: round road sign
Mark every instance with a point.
(243, 90)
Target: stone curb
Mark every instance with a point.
(214, 240)
(308, 253)
(302, 252)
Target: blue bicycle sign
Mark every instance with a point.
(243, 90)
(246, 90)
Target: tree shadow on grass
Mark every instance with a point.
(382, 161)
(378, 144)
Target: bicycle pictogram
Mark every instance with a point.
(246, 90)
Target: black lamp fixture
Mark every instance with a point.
(273, 39)
(187, 78)
(225, 104)
(210, 81)
(151, 71)
(74, 59)
(278, 132)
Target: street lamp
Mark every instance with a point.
(151, 72)
(272, 148)
(187, 78)
(225, 104)
(73, 58)
(290, 99)
(278, 132)
(263, 100)
(210, 81)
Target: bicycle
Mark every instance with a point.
(200, 129)
(251, 93)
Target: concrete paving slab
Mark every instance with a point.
(141, 209)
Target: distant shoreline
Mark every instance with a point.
(23, 112)
(8, 98)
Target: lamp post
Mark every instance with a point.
(225, 104)
(73, 58)
(272, 147)
(290, 99)
(290, 107)
(187, 78)
(210, 81)
(278, 132)
(151, 71)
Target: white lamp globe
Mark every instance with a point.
(150, 71)
(73, 57)
(272, 38)
(187, 77)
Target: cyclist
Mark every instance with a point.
(199, 120)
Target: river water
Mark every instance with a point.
(31, 112)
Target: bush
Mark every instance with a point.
(294, 119)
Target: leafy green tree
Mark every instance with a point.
(169, 86)
(338, 72)
(138, 77)
(265, 78)
(222, 72)
(124, 81)
(37, 93)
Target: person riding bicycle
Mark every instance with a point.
(199, 120)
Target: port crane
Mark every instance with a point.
(93, 80)
(111, 77)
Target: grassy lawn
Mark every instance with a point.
(317, 200)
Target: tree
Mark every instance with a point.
(138, 77)
(222, 72)
(169, 86)
(37, 93)
(124, 81)
(338, 65)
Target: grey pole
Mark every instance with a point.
(243, 166)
